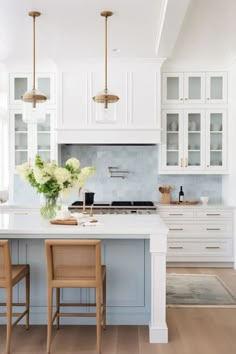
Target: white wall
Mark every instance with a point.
(207, 36)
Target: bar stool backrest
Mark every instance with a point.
(5, 263)
(74, 261)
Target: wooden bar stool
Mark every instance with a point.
(10, 275)
(75, 264)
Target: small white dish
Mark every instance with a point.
(204, 200)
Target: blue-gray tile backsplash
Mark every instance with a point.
(141, 183)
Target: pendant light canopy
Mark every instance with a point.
(106, 107)
(34, 101)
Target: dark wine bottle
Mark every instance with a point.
(181, 195)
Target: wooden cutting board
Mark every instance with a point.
(185, 203)
(63, 222)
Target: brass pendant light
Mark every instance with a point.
(34, 101)
(106, 108)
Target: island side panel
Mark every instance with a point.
(128, 287)
(158, 331)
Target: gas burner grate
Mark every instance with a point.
(143, 204)
(121, 204)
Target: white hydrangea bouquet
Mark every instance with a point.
(54, 181)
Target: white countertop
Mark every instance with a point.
(25, 225)
(199, 206)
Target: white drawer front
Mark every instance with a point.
(200, 248)
(202, 228)
(213, 214)
(176, 214)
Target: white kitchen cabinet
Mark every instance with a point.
(194, 88)
(22, 82)
(29, 140)
(183, 88)
(183, 142)
(194, 141)
(199, 234)
(216, 140)
(216, 87)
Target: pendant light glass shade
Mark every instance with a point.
(34, 101)
(105, 100)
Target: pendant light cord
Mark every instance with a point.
(33, 52)
(106, 54)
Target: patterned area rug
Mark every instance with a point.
(190, 290)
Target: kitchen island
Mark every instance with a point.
(133, 249)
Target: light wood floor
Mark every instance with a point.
(191, 331)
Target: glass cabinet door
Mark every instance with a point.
(19, 84)
(194, 88)
(44, 139)
(20, 139)
(193, 140)
(46, 84)
(172, 130)
(216, 139)
(216, 87)
(172, 88)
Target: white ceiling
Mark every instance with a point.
(75, 29)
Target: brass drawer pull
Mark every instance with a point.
(176, 214)
(176, 229)
(212, 247)
(213, 214)
(216, 229)
(176, 247)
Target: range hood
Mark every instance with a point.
(108, 136)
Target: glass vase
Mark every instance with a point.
(49, 207)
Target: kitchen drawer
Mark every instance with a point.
(222, 248)
(176, 214)
(213, 229)
(213, 214)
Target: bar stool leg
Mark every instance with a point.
(27, 300)
(49, 336)
(98, 317)
(104, 302)
(58, 306)
(9, 318)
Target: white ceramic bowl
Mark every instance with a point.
(204, 200)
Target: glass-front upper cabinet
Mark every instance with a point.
(21, 82)
(172, 147)
(194, 88)
(183, 147)
(216, 142)
(194, 128)
(30, 140)
(172, 88)
(20, 139)
(216, 87)
(44, 137)
(187, 88)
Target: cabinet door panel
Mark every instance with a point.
(194, 132)
(216, 87)
(144, 89)
(19, 84)
(172, 84)
(194, 88)
(216, 140)
(20, 139)
(172, 142)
